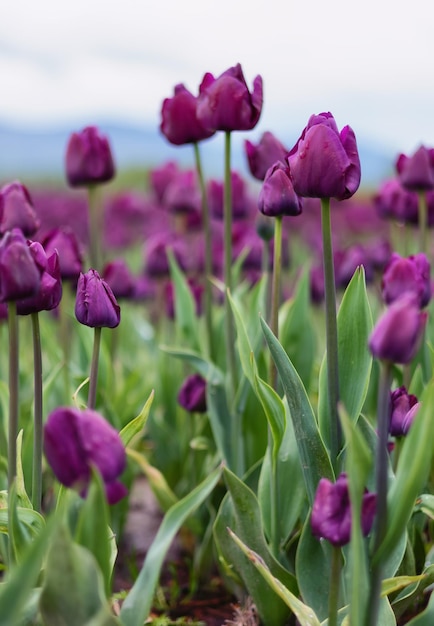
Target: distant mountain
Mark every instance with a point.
(27, 152)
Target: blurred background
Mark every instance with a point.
(67, 65)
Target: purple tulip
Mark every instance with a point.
(407, 275)
(126, 215)
(324, 162)
(19, 275)
(264, 154)
(118, 276)
(392, 201)
(403, 409)
(160, 177)
(182, 194)
(156, 261)
(416, 172)
(75, 441)
(347, 261)
(88, 158)
(225, 103)
(49, 293)
(331, 511)
(95, 303)
(240, 199)
(70, 255)
(16, 209)
(397, 335)
(277, 195)
(179, 121)
(192, 395)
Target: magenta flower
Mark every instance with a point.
(16, 209)
(70, 255)
(225, 103)
(416, 172)
(392, 201)
(403, 409)
(264, 154)
(179, 121)
(19, 275)
(407, 275)
(331, 511)
(160, 177)
(75, 441)
(95, 303)
(118, 276)
(240, 199)
(49, 293)
(88, 158)
(182, 194)
(192, 395)
(324, 162)
(277, 195)
(397, 335)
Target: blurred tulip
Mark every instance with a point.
(119, 278)
(407, 275)
(70, 256)
(392, 201)
(179, 121)
(416, 172)
(19, 275)
(192, 395)
(403, 409)
(16, 209)
(160, 177)
(264, 154)
(277, 195)
(95, 303)
(88, 158)
(49, 293)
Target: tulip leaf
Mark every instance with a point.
(137, 605)
(390, 585)
(354, 323)
(304, 614)
(185, 310)
(426, 618)
(160, 488)
(136, 425)
(425, 503)
(314, 459)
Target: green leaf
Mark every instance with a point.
(303, 613)
(73, 591)
(160, 488)
(136, 426)
(185, 310)
(425, 504)
(137, 605)
(390, 585)
(314, 458)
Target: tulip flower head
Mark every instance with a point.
(324, 162)
(416, 172)
(403, 409)
(179, 121)
(75, 441)
(277, 195)
(264, 154)
(16, 209)
(19, 275)
(392, 201)
(407, 275)
(66, 244)
(49, 293)
(95, 303)
(225, 103)
(88, 158)
(192, 395)
(331, 512)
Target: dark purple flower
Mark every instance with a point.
(277, 195)
(49, 293)
(264, 154)
(95, 304)
(397, 334)
(126, 215)
(19, 275)
(192, 395)
(16, 209)
(70, 255)
(392, 201)
(331, 512)
(179, 121)
(348, 261)
(88, 158)
(118, 276)
(240, 199)
(407, 275)
(416, 172)
(157, 246)
(182, 194)
(324, 162)
(225, 103)
(160, 177)
(403, 409)
(75, 441)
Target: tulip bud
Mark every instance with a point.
(118, 276)
(192, 395)
(88, 158)
(49, 293)
(416, 172)
(16, 210)
(95, 304)
(407, 275)
(403, 409)
(19, 275)
(70, 256)
(263, 155)
(277, 195)
(179, 121)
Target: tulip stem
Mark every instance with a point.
(208, 253)
(423, 221)
(93, 379)
(13, 392)
(275, 289)
(381, 469)
(331, 331)
(335, 578)
(37, 433)
(94, 229)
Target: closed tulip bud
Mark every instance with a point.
(264, 154)
(324, 162)
(95, 303)
(416, 172)
(75, 441)
(16, 210)
(70, 255)
(183, 194)
(19, 275)
(403, 409)
(392, 201)
(225, 103)
(407, 275)
(192, 395)
(88, 158)
(397, 335)
(331, 511)
(49, 293)
(118, 276)
(179, 121)
(277, 195)
(160, 177)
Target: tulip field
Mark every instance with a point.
(257, 348)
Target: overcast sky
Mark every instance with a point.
(368, 62)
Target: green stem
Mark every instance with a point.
(93, 380)
(335, 578)
(37, 434)
(275, 290)
(13, 391)
(208, 254)
(94, 229)
(331, 331)
(423, 222)
(381, 470)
